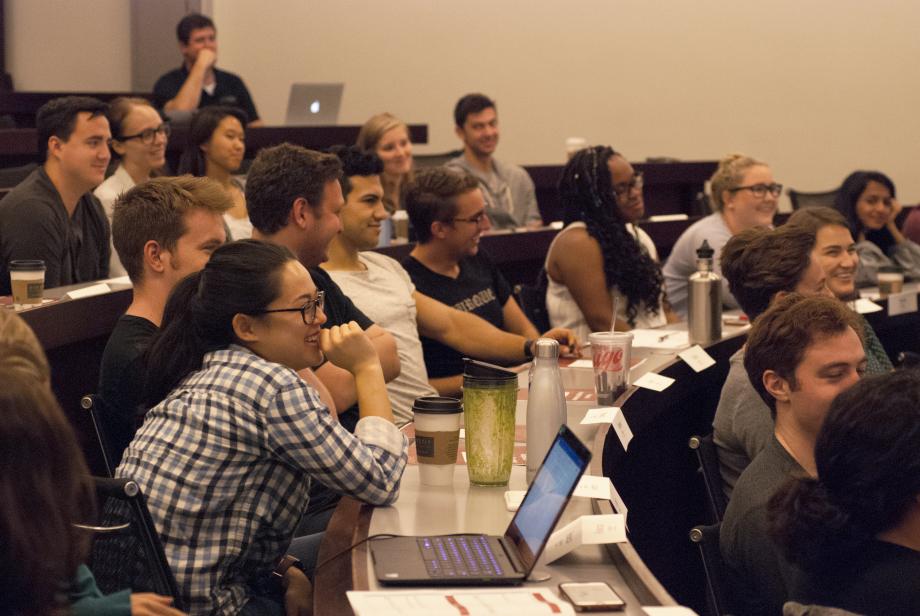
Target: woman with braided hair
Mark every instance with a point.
(601, 254)
(854, 530)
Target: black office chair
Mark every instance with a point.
(11, 176)
(88, 404)
(127, 552)
(532, 299)
(718, 594)
(708, 459)
(812, 199)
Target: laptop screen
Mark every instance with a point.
(548, 495)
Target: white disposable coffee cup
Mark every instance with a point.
(437, 437)
(27, 282)
(890, 281)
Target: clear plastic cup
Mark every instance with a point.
(610, 354)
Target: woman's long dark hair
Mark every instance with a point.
(868, 460)
(847, 198)
(204, 123)
(586, 192)
(241, 278)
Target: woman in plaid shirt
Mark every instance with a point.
(227, 454)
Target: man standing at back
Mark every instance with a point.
(508, 190)
(52, 215)
(198, 83)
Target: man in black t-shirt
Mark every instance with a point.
(448, 212)
(197, 83)
(294, 197)
(52, 215)
(163, 230)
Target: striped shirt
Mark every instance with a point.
(225, 462)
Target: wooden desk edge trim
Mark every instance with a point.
(640, 579)
(349, 525)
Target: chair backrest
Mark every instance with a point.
(708, 459)
(131, 557)
(11, 176)
(88, 404)
(718, 592)
(812, 199)
(532, 298)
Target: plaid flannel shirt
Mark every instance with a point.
(225, 462)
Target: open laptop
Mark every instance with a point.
(314, 104)
(470, 559)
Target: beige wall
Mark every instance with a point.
(69, 45)
(815, 87)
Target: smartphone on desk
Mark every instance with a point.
(591, 596)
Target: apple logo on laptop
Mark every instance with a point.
(314, 107)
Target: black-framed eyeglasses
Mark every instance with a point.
(476, 220)
(148, 135)
(760, 190)
(307, 311)
(624, 188)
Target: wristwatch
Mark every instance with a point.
(287, 561)
(528, 348)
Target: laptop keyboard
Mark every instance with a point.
(447, 557)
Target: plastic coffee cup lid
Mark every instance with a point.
(29, 265)
(440, 405)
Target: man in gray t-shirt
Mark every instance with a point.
(508, 190)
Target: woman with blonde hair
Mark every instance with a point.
(388, 137)
(743, 195)
(139, 137)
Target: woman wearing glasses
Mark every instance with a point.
(139, 144)
(743, 195)
(601, 258)
(227, 454)
(215, 149)
(867, 199)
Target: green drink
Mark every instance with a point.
(489, 403)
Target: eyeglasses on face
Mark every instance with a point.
(760, 190)
(147, 136)
(307, 311)
(476, 220)
(624, 188)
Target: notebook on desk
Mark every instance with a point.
(472, 559)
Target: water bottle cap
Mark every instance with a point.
(546, 347)
(704, 251)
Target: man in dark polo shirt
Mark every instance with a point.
(52, 215)
(448, 212)
(801, 353)
(163, 230)
(198, 83)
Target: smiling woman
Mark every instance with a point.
(215, 149)
(868, 201)
(224, 386)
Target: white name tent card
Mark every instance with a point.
(902, 303)
(582, 363)
(96, 289)
(697, 358)
(600, 415)
(866, 306)
(653, 381)
(529, 601)
(586, 530)
(668, 610)
(590, 486)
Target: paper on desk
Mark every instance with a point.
(668, 610)
(118, 280)
(902, 303)
(531, 601)
(653, 381)
(96, 289)
(600, 415)
(697, 358)
(652, 339)
(586, 530)
(582, 363)
(866, 306)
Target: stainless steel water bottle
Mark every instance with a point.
(705, 299)
(545, 403)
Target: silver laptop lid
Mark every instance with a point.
(314, 104)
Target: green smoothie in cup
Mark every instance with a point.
(489, 403)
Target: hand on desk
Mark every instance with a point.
(568, 343)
